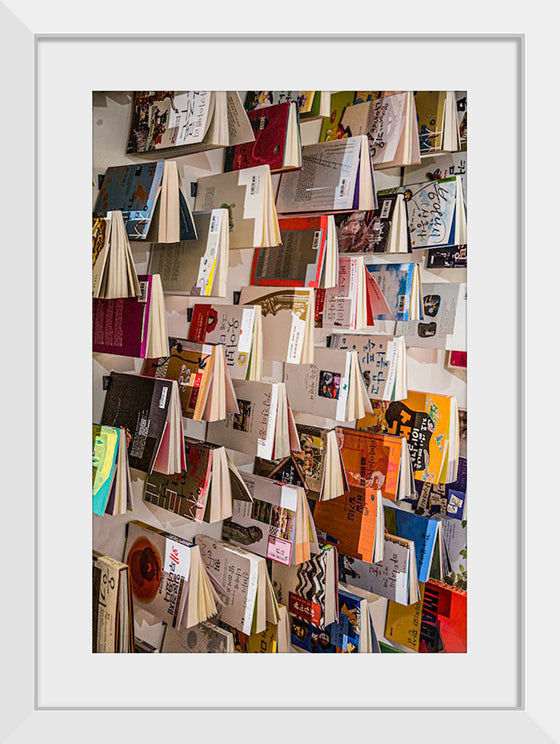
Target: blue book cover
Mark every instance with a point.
(132, 189)
(341, 637)
(444, 499)
(395, 281)
(421, 530)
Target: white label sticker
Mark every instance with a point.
(177, 558)
(163, 397)
(288, 499)
(246, 333)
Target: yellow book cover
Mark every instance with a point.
(402, 624)
(426, 420)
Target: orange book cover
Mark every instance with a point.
(371, 460)
(424, 419)
(349, 522)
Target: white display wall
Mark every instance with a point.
(427, 370)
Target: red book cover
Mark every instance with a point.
(298, 262)
(444, 619)
(204, 318)
(120, 326)
(270, 125)
(458, 359)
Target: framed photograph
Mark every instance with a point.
(55, 687)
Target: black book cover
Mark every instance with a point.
(140, 405)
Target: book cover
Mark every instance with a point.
(229, 325)
(331, 128)
(371, 460)
(298, 262)
(366, 231)
(159, 565)
(342, 637)
(270, 126)
(440, 301)
(395, 282)
(429, 110)
(431, 208)
(349, 522)
(189, 267)
(257, 99)
(105, 442)
(132, 189)
(327, 180)
(236, 571)
(447, 257)
(191, 367)
(377, 357)
(252, 430)
(285, 314)
(444, 619)
(303, 588)
(245, 194)
(421, 530)
(424, 419)
(184, 493)
(388, 578)
(120, 326)
(204, 638)
(168, 118)
(139, 405)
(321, 388)
(265, 526)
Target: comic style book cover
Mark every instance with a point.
(427, 422)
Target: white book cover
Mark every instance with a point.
(326, 181)
(320, 388)
(440, 309)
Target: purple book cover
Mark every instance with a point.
(121, 326)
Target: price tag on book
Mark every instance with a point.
(177, 558)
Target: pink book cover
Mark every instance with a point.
(120, 326)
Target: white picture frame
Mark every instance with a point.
(47, 666)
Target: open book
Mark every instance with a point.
(243, 581)
(381, 230)
(264, 426)
(334, 176)
(132, 326)
(197, 267)
(277, 140)
(111, 487)
(168, 578)
(204, 491)
(151, 199)
(276, 524)
(239, 329)
(249, 198)
(332, 387)
(114, 274)
(192, 120)
(113, 627)
(205, 386)
(149, 410)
